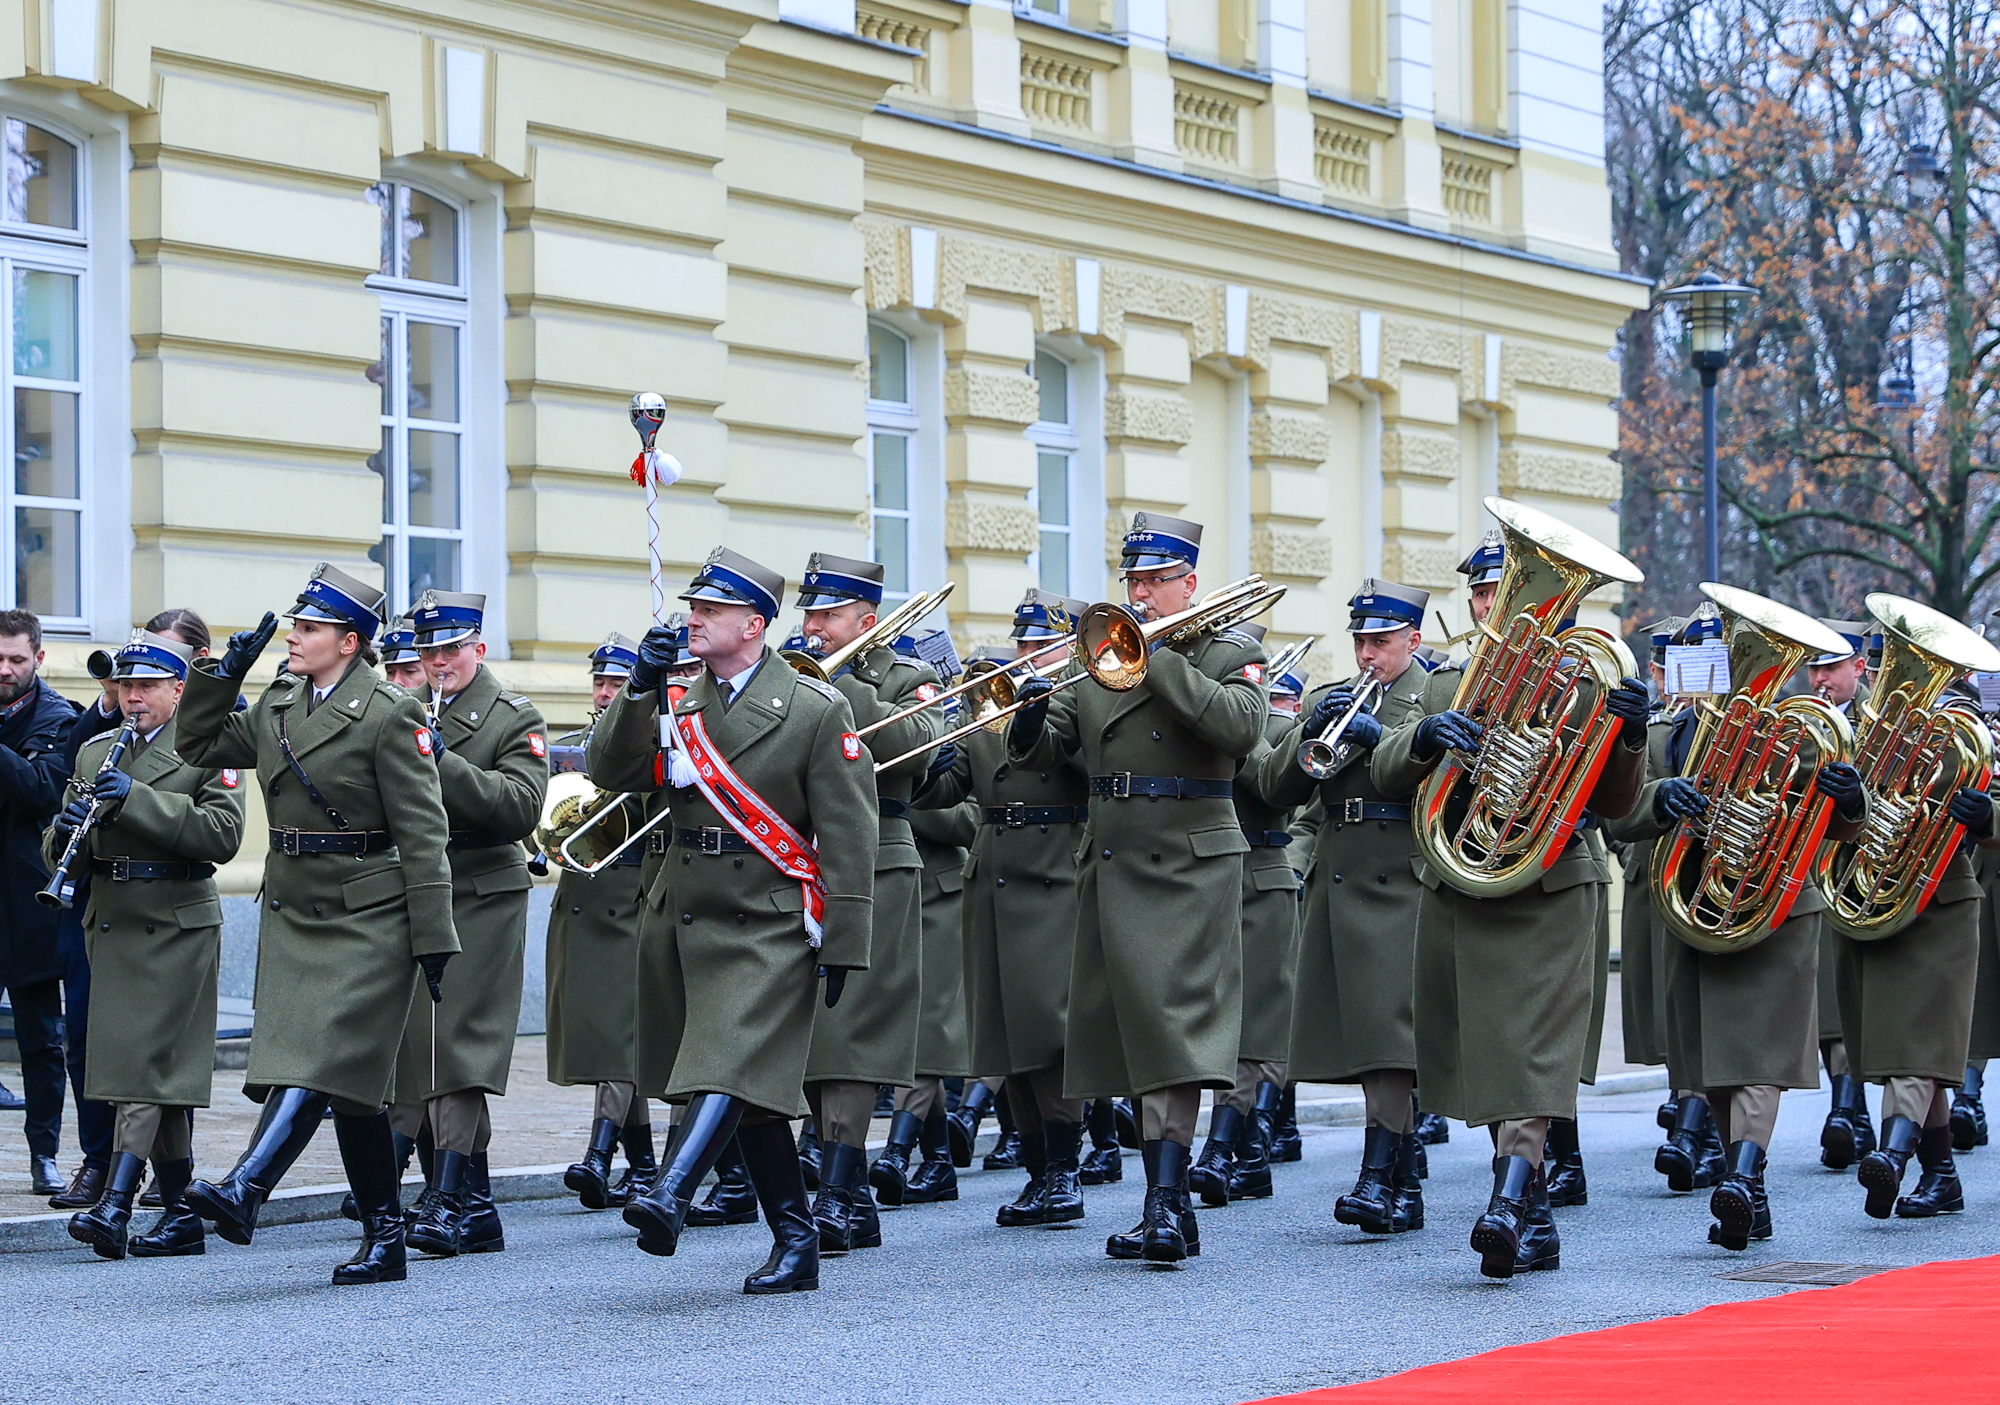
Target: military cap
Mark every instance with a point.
(1660, 633)
(1431, 658)
(337, 598)
(1484, 564)
(1043, 614)
(1704, 626)
(399, 642)
(833, 581)
(443, 617)
(616, 655)
(149, 655)
(1380, 606)
(1855, 632)
(1157, 541)
(734, 579)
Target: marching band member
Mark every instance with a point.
(401, 663)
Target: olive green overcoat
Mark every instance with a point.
(727, 986)
(943, 836)
(1985, 1040)
(1642, 937)
(338, 934)
(494, 770)
(1600, 956)
(1270, 909)
(154, 944)
(1503, 985)
(591, 969)
(871, 1035)
(1156, 978)
(1353, 1014)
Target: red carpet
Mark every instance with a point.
(1928, 1332)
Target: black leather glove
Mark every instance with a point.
(946, 758)
(246, 646)
(658, 652)
(434, 964)
(72, 814)
(437, 740)
(1840, 783)
(1363, 731)
(1973, 809)
(111, 788)
(1442, 730)
(836, 981)
(1337, 701)
(1677, 798)
(1028, 722)
(1629, 702)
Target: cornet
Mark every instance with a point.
(1321, 756)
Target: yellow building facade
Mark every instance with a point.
(956, 285)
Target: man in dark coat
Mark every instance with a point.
(34, 720)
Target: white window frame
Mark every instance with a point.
(1081, 440)
(918, 422)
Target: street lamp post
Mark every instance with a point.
(1708, 307)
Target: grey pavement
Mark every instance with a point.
(1283, 1299)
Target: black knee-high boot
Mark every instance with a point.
(284, 1130)
(370, 1161)
(660, 1213)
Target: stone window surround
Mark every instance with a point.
(920, 421)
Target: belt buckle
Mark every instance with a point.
(711, 839)
(656, 842)
(288, 843)
(1014, 814)
(1352, 811)
(1121, 785)
(121, 870)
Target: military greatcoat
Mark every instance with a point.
(338, 934)
(1642, 937)
(1503, 985)
(494, 769)
(1600, 954)
(593, 966)
(154, 943)
(1985, 1043)
(1270, 908)
(942, 839)
(1353, 1014)
(726, 972)
(1156, 979)
(871, 1035)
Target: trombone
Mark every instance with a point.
(1320, 756)
(1288, 658)
(980, 683)
(885, 630)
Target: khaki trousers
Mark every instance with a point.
(1168, 1114)
(460, 1122)
(616, 1103)
(842, 1110)
(922, 1098)
(1925, 1101)
(148, 1130)
(1747, 1114)
(1249, 1073)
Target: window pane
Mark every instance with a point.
(44, 324)
(892, 549)
(433, 565)
(888, 366)
(383, 198)
(1053, 494)
(430, 239)
(1052, 376)
(40, 176)
(433, 479)
(892, 472)
(383, 554)
(379, 372)
(45, 443)
(47, 561)
(1055, 562)
(382, 463)
(433, 371)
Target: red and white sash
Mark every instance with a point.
(750, 816)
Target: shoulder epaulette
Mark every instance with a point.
(518, 700)
(1238, 638)
(826, 690)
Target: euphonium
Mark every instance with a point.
(1914, 756)
(1492, 820)
(1727, 879)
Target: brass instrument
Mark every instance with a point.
(1321, 756)
(1914, 755)
(980, 680)
(60, 891)
(1288, 658)
(1725, 880)
(584, 828)
(885, 630)
(1491, 820)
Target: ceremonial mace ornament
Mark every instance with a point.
(656, 469)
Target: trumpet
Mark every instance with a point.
(1321, 756)
(884, 631)
(61, 889)
(1288, 658)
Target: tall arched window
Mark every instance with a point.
(423, 376)
(43, 256)
(892, 427)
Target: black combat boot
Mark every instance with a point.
(1497, 1234)
(831, 1209)
(772, 1163)
(480, 1231)
(284, 1128)
(640, 1168)
(1432, 1128)
(1125, 1117)
(890, 1175)
(1160, 1238)
(1104, 1165)
(1209, 1176)
(1938, 1191)
(1062, 1192)
(732, 1199)
(1251, 1180)
(885, 1102)
(1540, 1246)
(1131, 1244)
(105, 1226)
(1684, 1159)
(1881, 1170)
(661, 1212)
(370, 1161)
(863, 1215)
(1562, 1165)
(1968, 1114)
(1371, 1205)
(809, 1153)
(1409, 1186)
(1006, 1153)
(1027, 1208)
(427, 1163)
(178, 1231)
(436, 1231)
(1287, 1146)
(590, 1178)
(1666, 1113)
(935, 1178)
(1848, 1134)
(962, 1124)
(1737, 1197)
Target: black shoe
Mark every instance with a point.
(85, 1190)
(1881, 1170)
(45, 1177)
(1432, 1128)
(1841, 1139)
(1062, 1192)
(436, 1231)
(640, 1167)
(809, 1153)
(1006, 1153)
(1497, 1234)
(105, 1226)
(1371, 1205)
(1102, 1164)
(1409, 1187)
(1251, 1178)
(1287, 1146)
(427, 1163)
(935, 1178)
(178, 1232)
(890, 1175)
(150, 1198)
(772, 1163)
(1209, 1176)
(1737, 1198)
(1938, 1191)
(1027, 1207)
(590, 1178)
(1685, 1157)
(661, 1211)
(866, 1222)
(369, 1157)
(480, 1232)
(732, 1199)
(1968, 1114)
(1667, 1112)
(831, 1209)
(1540, 1247)
(11, 1101)
(1161, 1240)
(284, 1129)
(1562, 1165)
(1125, 1117)
(962, 1124)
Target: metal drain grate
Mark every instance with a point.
(1817, 1275)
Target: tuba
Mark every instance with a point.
(1914, 756)
(1726, 880)
(1490, 821)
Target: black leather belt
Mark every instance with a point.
(126, 870)
(711, 839)
(1354, 810)
(1267, 838)
(635, 856)
(1015, 816)
(1125, 785)
(293, 842)
(892, 808)
(477, 839)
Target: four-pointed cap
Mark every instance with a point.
(443, 617)
(732, 578)
(1855, 632)
(1485, 562)
(1380, 606)
(616, 655)
(336, 597)
(399, 643)
(149, 655)
(832, 581)
(1043, 614)
(1157, 541)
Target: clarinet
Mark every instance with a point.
(61, 891)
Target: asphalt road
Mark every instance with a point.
(951, 1308)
